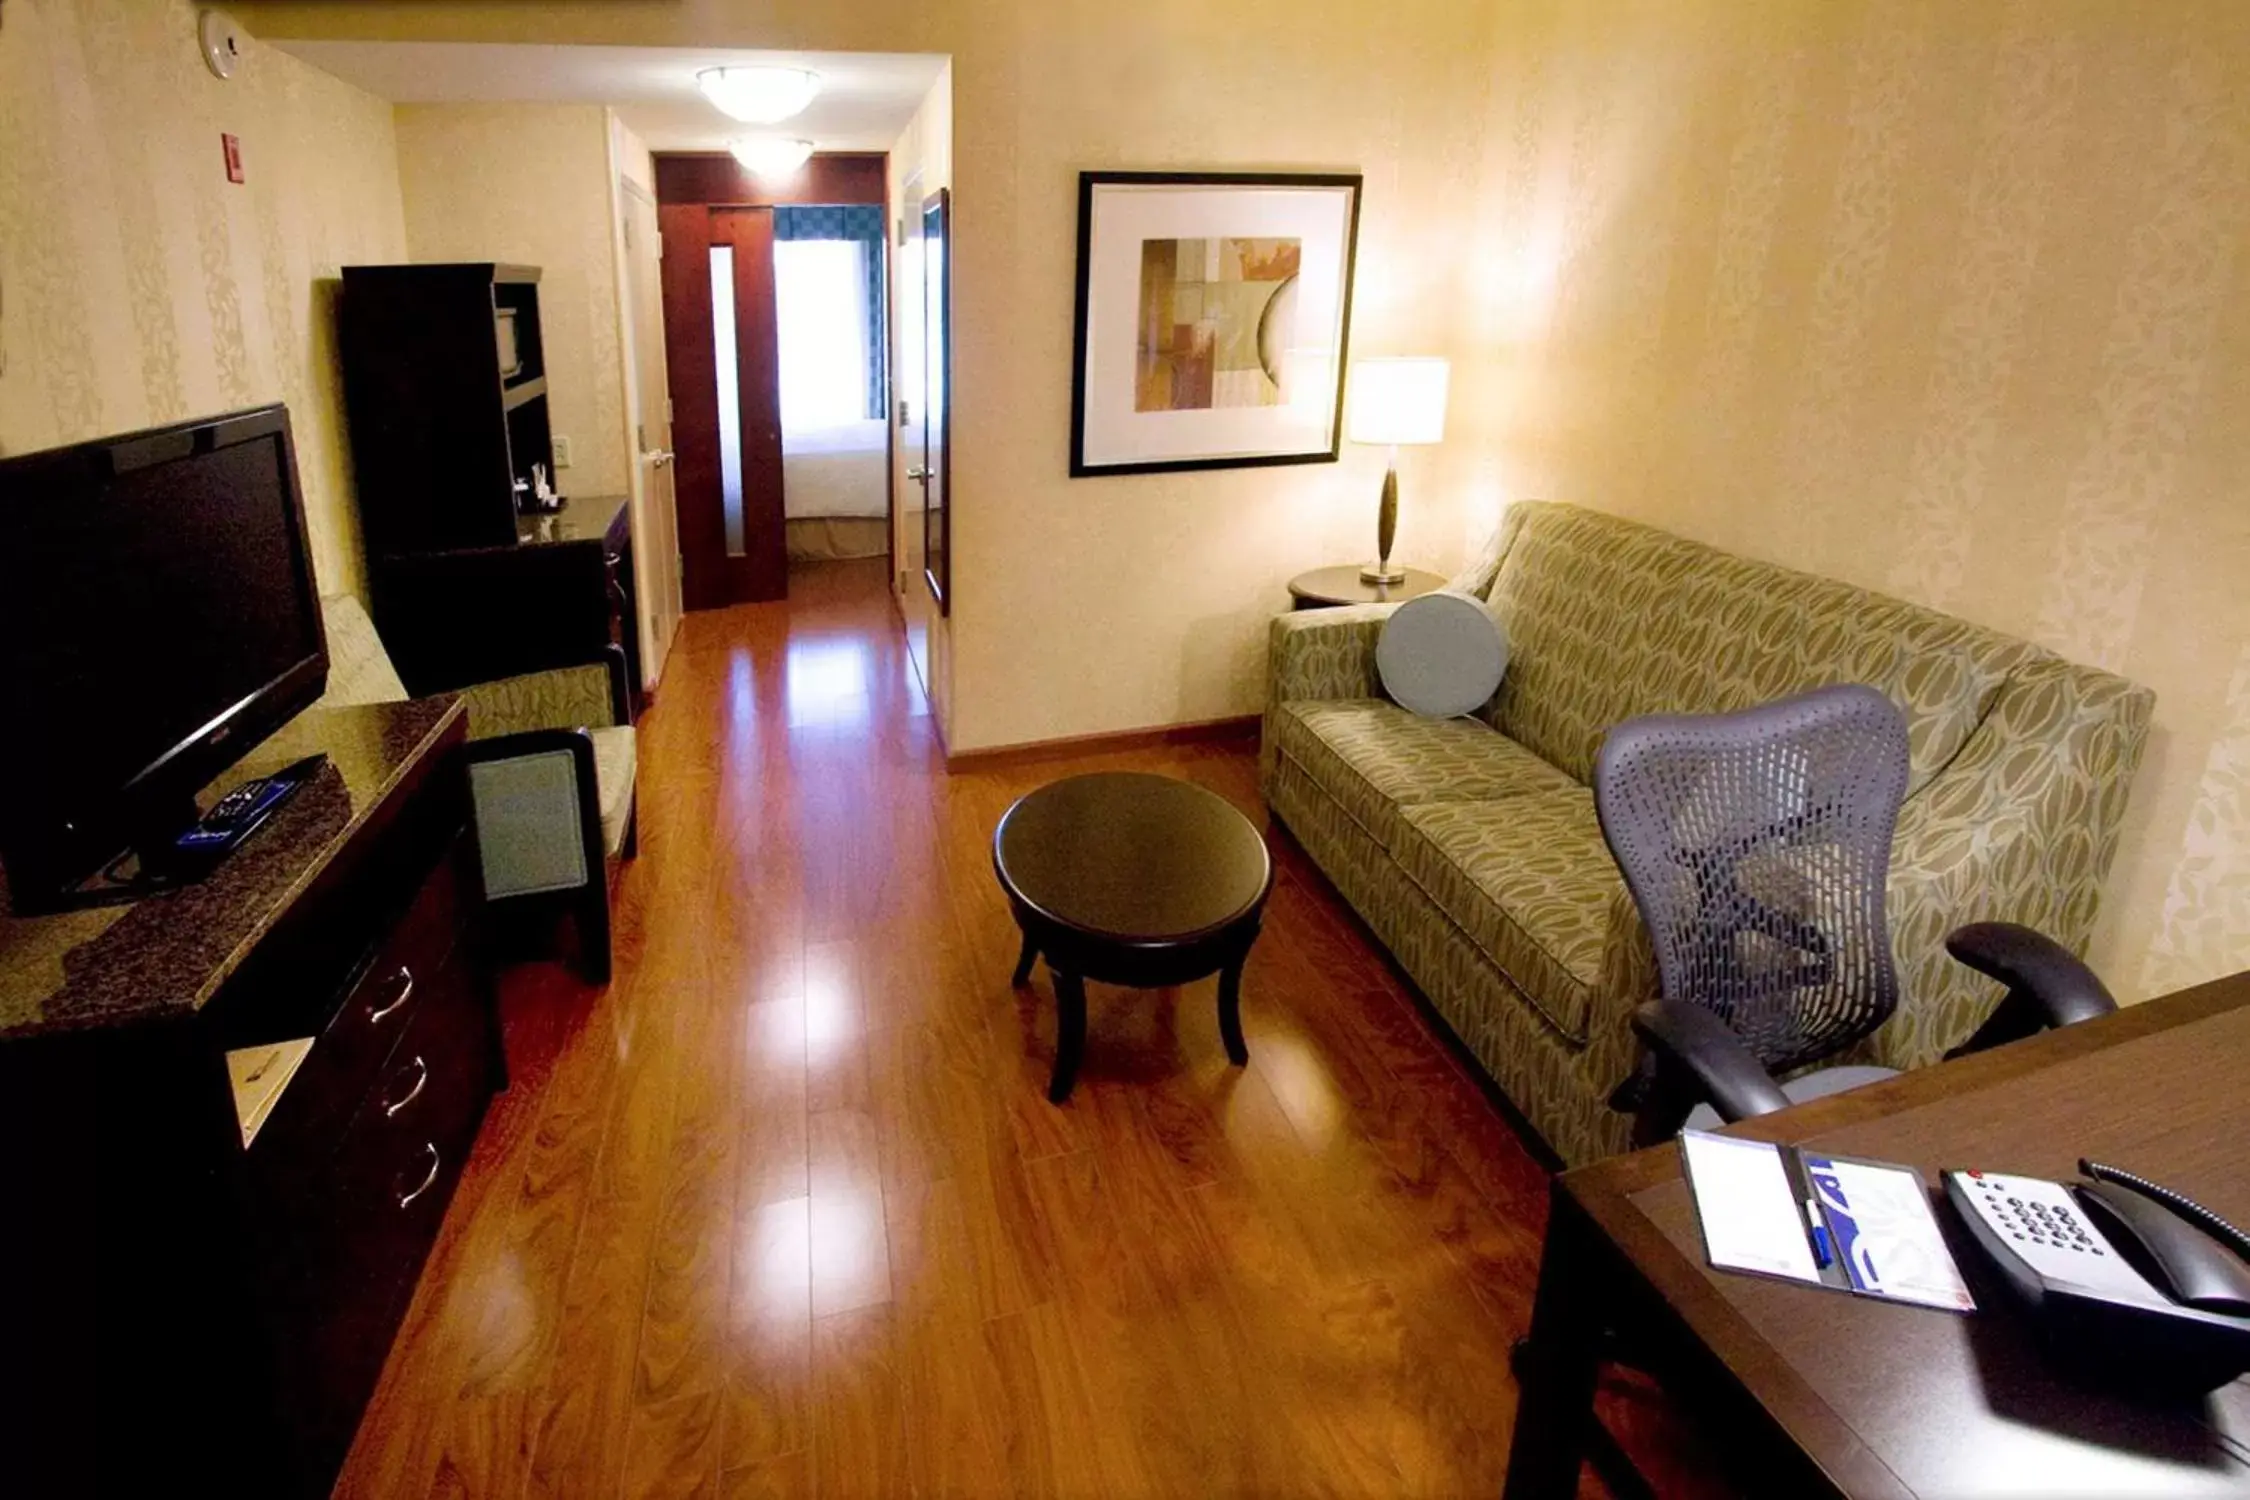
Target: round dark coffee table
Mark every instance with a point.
(1131, 879)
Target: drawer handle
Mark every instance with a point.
(421, 1082)
(427, 1177)
(404, 978)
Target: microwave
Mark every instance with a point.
(511, 353)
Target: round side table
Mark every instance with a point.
(1131, 879)
(1324, 588)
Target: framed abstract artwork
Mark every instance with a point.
(1212, 310)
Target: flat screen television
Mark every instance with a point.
(158, 619)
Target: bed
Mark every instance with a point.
(835, 490)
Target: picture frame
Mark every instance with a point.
(1213, 318)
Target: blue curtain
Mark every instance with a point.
(848, 221)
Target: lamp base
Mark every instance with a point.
(1377, 573)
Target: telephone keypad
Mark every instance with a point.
(2043, 1224)
(2037, 1223)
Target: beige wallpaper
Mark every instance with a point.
(529, 183)
(1096, 605)
(1945, 298)
(1949, 300)
(137, 285)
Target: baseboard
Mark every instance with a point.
(1195, 732)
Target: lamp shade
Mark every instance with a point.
(1398, 401)
(770, 156)
(759, 95)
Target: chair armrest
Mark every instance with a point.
(1707, 1061)
(512, 811)
(560, 698)
(2047, 983)
(620, 681)
(1324, 653)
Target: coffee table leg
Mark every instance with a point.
(1024, 961)
(1230, 1012)
(1070, 1034)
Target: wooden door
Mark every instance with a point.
(724, 362)
(656, 533)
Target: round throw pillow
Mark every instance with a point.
(1441, 654)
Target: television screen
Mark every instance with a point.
(159, 619)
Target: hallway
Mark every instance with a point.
(785, 1210)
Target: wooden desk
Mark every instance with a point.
(1926, 1403)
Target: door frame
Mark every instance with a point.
(937, 455)
(690, 187)
(656, 556)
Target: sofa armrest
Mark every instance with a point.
(2021, 827)
(561, 698)
(1324, 653)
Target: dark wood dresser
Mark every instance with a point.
(190, 1312)
(559, 595)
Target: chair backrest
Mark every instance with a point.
(1756, 845)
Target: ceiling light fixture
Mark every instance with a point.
(770, 155)
(760, 95)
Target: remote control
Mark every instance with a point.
(238, 814)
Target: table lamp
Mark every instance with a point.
(1395, 401)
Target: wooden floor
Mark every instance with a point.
(784, 1210)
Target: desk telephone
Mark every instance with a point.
(2118, 1270)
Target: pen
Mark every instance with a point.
(1823, 1253)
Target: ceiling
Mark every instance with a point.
(865, 100)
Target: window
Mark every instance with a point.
(820, 297)
(730, 394)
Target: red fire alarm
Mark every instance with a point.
(233, 150)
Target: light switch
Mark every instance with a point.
(562, 452)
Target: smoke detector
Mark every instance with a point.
(222, 42)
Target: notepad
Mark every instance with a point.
(259, 1074)
(1750, 1214)
(1886, 1238)
(1820, 1219)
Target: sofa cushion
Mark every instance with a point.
(1531, 883)
(1608, 619)
(615, 755)
(1374, 758)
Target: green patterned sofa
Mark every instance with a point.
(1471, 847)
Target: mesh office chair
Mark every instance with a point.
(1756, 845)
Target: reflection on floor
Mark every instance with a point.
(784, 1211)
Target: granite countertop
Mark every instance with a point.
(582, 519)
(165, 956)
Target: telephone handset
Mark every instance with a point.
(2119, 1272)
